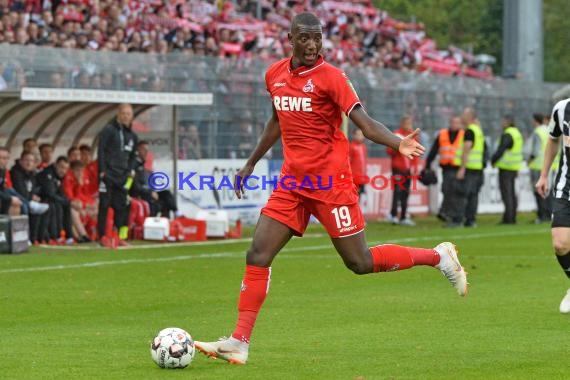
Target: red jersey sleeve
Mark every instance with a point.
(8, 180)
(90, 174)
(342, 92)
(68, 186)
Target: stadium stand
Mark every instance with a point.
(196, 47)
(357, 34)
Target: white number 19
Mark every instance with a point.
(342, 216)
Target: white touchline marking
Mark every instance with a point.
(172, 244)
(242, 253)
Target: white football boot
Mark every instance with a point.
(451, 268)
(565, 304)
(228, 349)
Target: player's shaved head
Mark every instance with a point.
(306, 37)
(306, 19)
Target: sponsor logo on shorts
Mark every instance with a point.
(347, 229)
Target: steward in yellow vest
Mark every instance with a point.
(509, 158)
(472, 157)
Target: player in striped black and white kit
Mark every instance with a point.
(559, 127)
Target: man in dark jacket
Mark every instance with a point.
(59, 214)
(25, 183)
(448, 145)
(116, 160)
(509, 158)
(159, 201)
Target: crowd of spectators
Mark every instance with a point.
(356, 33)
(58, 198)
(61, 195)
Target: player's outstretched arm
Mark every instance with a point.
(377, 132)
(269, 137)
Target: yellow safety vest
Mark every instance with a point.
(512, 158)
(536, 163)
(475, 157)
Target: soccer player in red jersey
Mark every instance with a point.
(309, 97)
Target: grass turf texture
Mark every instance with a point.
(92, 314)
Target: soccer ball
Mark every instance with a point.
(172, 348)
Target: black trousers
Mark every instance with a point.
(163, 205)
(112, 195)
(401, 193)
(507, 187)
(543, 205)
(59, 218)
(167, 202)
(34, 223)
(450, 200)
(467, 193)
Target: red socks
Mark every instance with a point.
(391, 257)
(254, 288)
(255, 284)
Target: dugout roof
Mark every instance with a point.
(50, 114)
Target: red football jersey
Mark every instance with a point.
(7, 180)
(309, 103)
(91, 178)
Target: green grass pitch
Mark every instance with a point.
(91, 313)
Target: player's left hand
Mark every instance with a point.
(239, 179)
(409, 147)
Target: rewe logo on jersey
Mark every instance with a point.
(279, 84)
(309, 87)
(292, 103)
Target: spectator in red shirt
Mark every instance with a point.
(74, 186)
(357, 155)
(83, 206)
(402, 168)
(10, 203)
(90, 171)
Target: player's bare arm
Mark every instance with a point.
(269, 137)
(378, 133)
(551, 150)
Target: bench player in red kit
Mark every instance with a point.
(309, 97)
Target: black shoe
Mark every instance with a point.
(84, 239)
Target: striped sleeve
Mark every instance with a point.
(554, 126)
